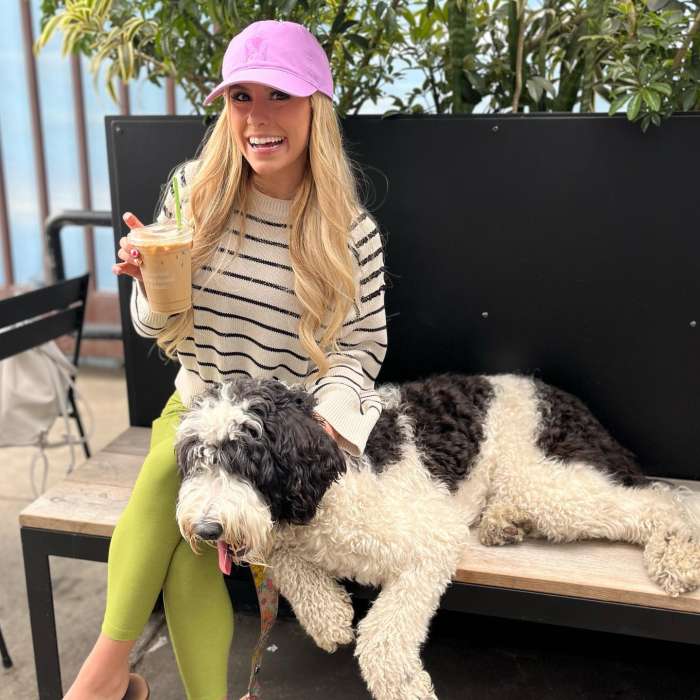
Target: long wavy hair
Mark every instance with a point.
(322, 211)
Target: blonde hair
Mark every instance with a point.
(322, 211)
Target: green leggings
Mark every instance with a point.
(147, 554)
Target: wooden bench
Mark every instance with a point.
(522, 284)
(76, 518)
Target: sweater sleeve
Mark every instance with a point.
(346, 395)
(148, 323)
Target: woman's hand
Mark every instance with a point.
(128, 253)
(327, 426)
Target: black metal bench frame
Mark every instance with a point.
(583, 613)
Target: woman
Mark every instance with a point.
(288, 283)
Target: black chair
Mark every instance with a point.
(32, 318)
(35, 317)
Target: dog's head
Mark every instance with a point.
(251, 454)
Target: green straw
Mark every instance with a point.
(176, 191)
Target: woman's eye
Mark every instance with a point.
(244, 97)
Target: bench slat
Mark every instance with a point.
(77, 507)
(133, 441)
(612, 571)
(93, 497)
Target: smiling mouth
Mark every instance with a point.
(268, 146)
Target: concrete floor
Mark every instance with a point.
(468, 656)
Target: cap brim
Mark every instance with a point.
(278, 79)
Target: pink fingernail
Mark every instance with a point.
(134, 253)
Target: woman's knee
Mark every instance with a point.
(191, 574)
(159, 471)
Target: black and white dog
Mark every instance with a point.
(508, 452)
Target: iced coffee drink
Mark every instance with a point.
(166, 265)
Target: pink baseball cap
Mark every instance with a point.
(283, 55)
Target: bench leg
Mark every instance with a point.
(6, 660)
(41, 615)
(79, 422)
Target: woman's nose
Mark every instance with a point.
(258, 114)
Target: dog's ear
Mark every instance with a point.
(188, 449)
(307, 461)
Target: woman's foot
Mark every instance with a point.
(138, 688)
(105, 673)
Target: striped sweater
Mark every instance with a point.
(246, 318)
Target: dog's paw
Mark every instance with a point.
(503, 524)
(333, 625)
(420, 687)
(672, 559)
(331, 639)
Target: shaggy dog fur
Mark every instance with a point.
(509, 453)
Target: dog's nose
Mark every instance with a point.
(208, 531)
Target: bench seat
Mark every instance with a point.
(92, 498)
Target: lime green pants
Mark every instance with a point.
(147, 554)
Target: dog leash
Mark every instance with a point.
(268, 599)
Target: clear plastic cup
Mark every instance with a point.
(166, 267)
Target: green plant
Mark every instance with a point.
(490, 55)
(186, 39)
(654, 63)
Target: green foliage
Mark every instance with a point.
(642, 56)
(186, 39)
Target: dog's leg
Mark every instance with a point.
(503, 523)
(575, 501)
(320, 603)
(390, 636)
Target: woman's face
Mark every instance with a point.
(259, 112)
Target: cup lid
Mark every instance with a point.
(159, 233)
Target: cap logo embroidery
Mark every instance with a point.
(255, 49)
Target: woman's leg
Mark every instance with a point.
(200, 621)
(139, 556)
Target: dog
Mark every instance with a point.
(507, 453)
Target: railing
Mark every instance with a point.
(52, 236)
(72, 64)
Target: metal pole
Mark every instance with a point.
(83, 161)
(37, 133)
(5, 241)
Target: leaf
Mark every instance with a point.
(47, 33)
(634, 106)
(618, 104)
(689, 99)
(546, 84)
(122, 64)
(534, 89)
(656, 5)
(663, 88)
(652, 99)
(358, 40)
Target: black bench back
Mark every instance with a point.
(35, 317)
(563, 246)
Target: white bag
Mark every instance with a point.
(34, 392)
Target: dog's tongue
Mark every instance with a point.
(224, 557)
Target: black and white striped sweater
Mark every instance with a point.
(246, 318)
